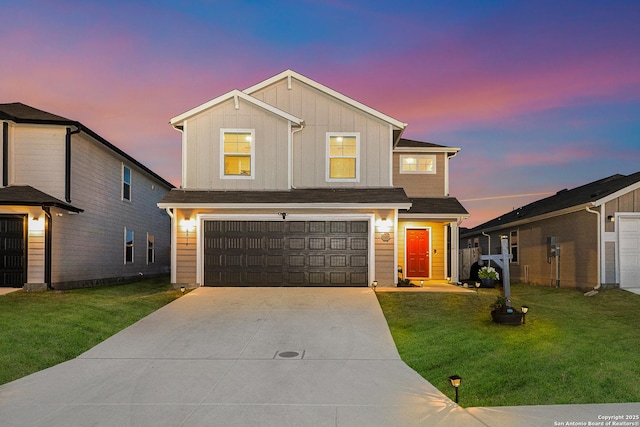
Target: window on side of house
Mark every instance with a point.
(418, 163)
(343, 157)
(151, 252)
(237, 153)
(513, 245)
(126, 183)
(128, 246)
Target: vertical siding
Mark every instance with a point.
(203, 148)
(90, 245)
(322, 114)
(37, 158)
(420, 185)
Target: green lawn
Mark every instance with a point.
(39, 330)
(573, 349)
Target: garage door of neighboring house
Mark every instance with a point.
(286, 253)
(629, 240)
(12, 251)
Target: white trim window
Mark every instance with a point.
(151, 251)
(343, 157)
(513, 245)
(237, 153)
(128, 246)
(418, 163)
(126, 182)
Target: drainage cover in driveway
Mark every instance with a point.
(289, 354)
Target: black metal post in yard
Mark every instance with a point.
(505, 270)
(456, 394)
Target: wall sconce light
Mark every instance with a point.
(455, 382)
(524, 312)
(611, 218)
(383, 225)
(36, 224)
(188, 225)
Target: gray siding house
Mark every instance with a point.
(75, 210)
(291, 183)
(582, 238)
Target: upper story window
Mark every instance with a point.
(237, 153)
(126, 183)
(420, 163)
(343, 162)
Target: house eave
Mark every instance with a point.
(320, 206)
(442, 216)
(426, 150)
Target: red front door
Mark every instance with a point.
(417, 247)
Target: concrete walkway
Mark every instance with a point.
(256, 357)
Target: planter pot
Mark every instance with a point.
(487, 282)
(505, 318)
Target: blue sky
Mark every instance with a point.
(539, 95)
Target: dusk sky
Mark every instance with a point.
(538, 95)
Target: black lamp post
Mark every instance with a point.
(455, 382)
(524, 312)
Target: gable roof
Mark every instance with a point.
(592, 194)
(289, 74)
(25, 195)
(21, 113)
(179, 119)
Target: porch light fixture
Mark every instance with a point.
(524, 312)
(611, 218)
(188, 225)
(383, 225)
(455, 381)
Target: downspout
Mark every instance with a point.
(597, 287)
(67, 162)
(5, 154)
(446, 173)
(290, 155)
(47, 246)
(174, 247)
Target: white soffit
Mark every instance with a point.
(234, 94)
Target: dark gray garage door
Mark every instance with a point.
(286, 253)
(12, 251)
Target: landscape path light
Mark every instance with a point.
(455, 381)
(524, 312)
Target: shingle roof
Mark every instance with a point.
(435, 205)
(24, 195)
(563, 199)
(366, 196)
(21, 113)
(403, 142)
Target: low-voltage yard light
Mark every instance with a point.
(455, 381)
(524, 312)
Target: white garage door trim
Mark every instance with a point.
(201, 218)
(628, 227)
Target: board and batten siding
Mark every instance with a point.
(90, 245)
(37, 158)
(201, 168)
(323, 113)
(418, 184)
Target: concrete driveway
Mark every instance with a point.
(239, 356)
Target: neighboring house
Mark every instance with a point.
(579, 238)
(75, 210)
(290, 183)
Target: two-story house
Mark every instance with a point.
(75, 210)
(291, 183)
